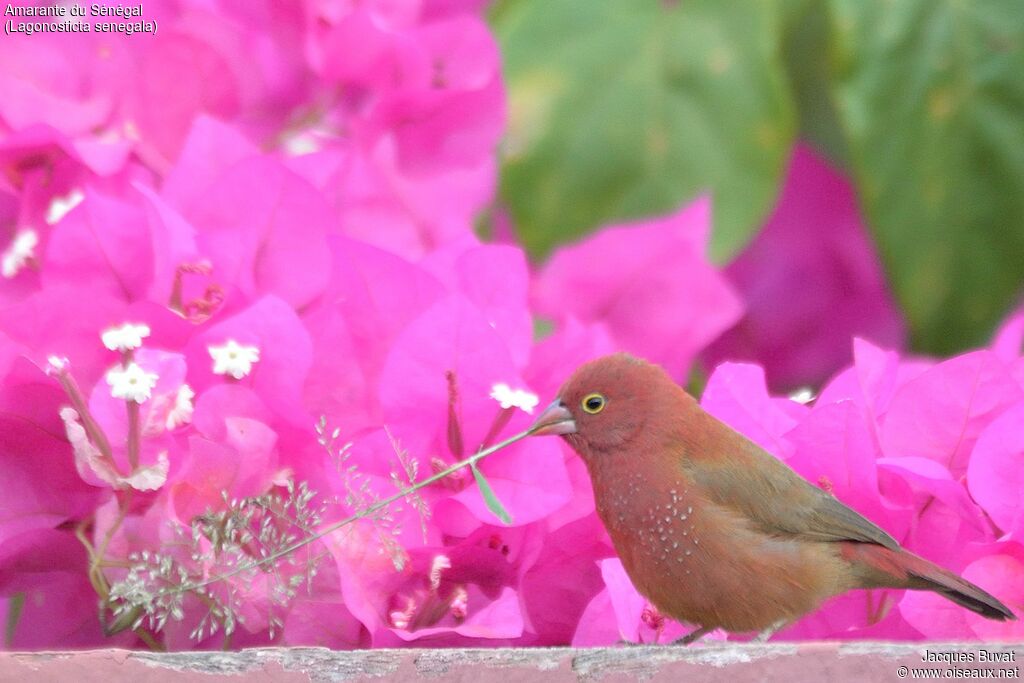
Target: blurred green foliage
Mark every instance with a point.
(627, 108)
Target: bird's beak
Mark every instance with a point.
(556, 419)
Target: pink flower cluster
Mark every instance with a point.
(931, 451)
(216, 237)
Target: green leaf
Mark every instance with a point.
(807, 35)
(14, 607)
(931, 94)
(493, 504)
(620, 110)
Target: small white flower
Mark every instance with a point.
(60, 206)
(518, 398)
(22, 249)
(128, 337)
(804, 395)
(233, 359)
(131, 383)
(181, 413)
(439, 564)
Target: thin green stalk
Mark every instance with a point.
(134, 436)
(301, 543)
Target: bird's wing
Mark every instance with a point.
(739, 474)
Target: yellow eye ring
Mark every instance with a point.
(593, 403)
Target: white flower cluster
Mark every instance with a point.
(517, 398)
(233, 358)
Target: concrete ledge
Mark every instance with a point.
(732, 662)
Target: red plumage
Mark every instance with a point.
(711, 528)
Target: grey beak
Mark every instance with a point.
(556, 419)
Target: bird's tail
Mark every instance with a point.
(881, 567)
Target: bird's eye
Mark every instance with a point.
(593, 403)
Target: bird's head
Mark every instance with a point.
(606, 403)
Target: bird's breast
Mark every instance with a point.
(703, 563)
(650, 517)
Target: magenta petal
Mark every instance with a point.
(1002, 575)
(1009, 337)
(36, 462)
(23, 103)
(811, 280)
(554, 358)
(626, 601)
(285, 355)
(495, 278)
(736, 394)
(833, 449)
(945, 517)
(174, 244)
(995, 474)
(357, 52)
(530, 481)
(450, 336)
(353, 333)
(265, 231)
(845, 616)
(597, 626)
(940, 413)
(105, 242)
(562, 580)
(496, 619)
(936, 617)
(220, 402)
(53, 321)
(322, 623)
(58, 604)
(648, 282)
(211, 148)
(179, 77)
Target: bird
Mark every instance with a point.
(712, 529)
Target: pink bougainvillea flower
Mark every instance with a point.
(447, 595)
(495, 279)
(242, 463)
(799, 332)
(54, 322)
(103, 241)
(649, 282)
(264, 231)
(560, 577)
(1008, 341)
(941, 412)
(737, 395)
(167, 406)
(35, 459)
(211, 148)
(943, 517)
(42, 582)
(352, 333)
(270, 327)
(833, 449)
(995, 474)
(449, 359)
(996, 567)
(455, 116)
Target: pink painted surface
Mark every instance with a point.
(736, 663)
